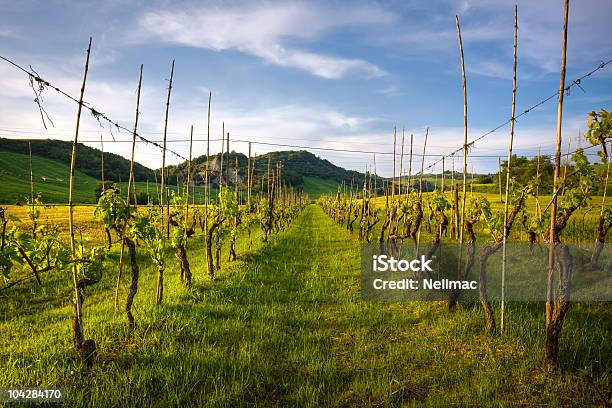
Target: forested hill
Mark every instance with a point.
(116, 168)
(296, 166)
(300, 169)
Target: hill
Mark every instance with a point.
(116, 168)
(300, 169)
(50, 180)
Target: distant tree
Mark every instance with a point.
(524, 170)
(484, 179)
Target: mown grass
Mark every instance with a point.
(285, 325)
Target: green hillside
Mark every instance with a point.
(89, 161)
(296, 167)
(50, 179)
(316, 187)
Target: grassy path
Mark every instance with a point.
(286, 326)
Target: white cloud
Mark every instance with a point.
(7, 32)
(491, 68)
(267, 31)
(487, 33)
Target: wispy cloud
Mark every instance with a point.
(266, 31)
(8, 32)
(487, 33)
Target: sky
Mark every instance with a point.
(319, 74)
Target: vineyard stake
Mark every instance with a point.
(222, 155)
(508, 167)
(442, 174)
(422, 165)
(538, 208)
(249, 180)
(102, 159)
(130, 180)
(32, 191)
(401, 164)
(554, 315)
(207, 191)
(465, 133)
(227, 167)
(164, 191)
(393, 180)
(410, 164)
(421, 188)
(77, 322)
(455, 207)
(375, 177)
(188, 180)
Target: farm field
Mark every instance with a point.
(285, 325)
(306, 204)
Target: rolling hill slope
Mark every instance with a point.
(50, 179)
(117, 168)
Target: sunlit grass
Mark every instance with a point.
(285, 325)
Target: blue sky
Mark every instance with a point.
(322, 74)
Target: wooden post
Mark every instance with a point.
(401, 163)
(32, 190)
(131, 180)
(433, 170)
(443, 175)
(538, 209)
(508, 166)
(102, 159)
(456, 207)
(129, 189)
(268, 178)
(207, 191)
(227, 167)
(249, 180)
(465, 131)
(393, 180)
(77, 318)
(252, 175)
(418, 238)
(188, 179)
(554, 317)
(280, 188)
(422, 165)
(410, 164)
(375, 177)
(164, 176)
(222, 155)
(236, 177)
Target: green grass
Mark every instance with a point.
(50, 179)
(316, 187)
(285, 325)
